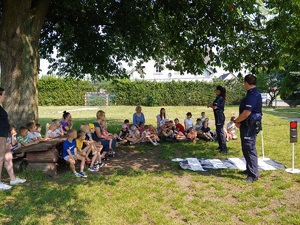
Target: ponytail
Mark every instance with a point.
(222, 91)
(65, 114)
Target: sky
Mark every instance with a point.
(44, 68)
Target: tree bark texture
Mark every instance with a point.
(20, 29)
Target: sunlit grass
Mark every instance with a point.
(168, 196)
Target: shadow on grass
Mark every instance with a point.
(146, 158)
(40, 195)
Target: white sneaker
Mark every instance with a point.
(4, 186)
(17, 181)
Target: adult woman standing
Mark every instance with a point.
(161, 117)
(98, 136)
(218, 107)
(66, 122)
(5, 153)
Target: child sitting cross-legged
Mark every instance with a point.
(153, 133)
(206, 133)
(192, 134)
(147, 136)
(124, 132)
(70, 153)
(134, 136)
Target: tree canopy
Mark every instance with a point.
(95, 36)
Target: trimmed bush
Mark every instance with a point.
(152, 93)
(62, 91)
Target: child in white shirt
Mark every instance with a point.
(188, 122)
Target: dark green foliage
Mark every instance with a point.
(290, 88)
(59, 91)
(173, 93)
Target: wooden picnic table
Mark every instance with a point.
(43, 155)
(42, 145)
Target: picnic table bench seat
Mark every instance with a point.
(43, 155)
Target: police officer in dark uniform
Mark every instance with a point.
(218, 107)
(249, 122)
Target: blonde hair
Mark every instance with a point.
(85, 127)
(103, 124)
(70, 132)
(49, 125)
(100, 113)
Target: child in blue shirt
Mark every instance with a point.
(70, 154)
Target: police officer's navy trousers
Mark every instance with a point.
(220, 119)
(248, 139)
(221, 137)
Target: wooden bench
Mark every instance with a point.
(43, 155)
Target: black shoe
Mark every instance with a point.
(250, 180)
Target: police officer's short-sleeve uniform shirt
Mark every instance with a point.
(219, 111)
(253, 103)
(220, 103)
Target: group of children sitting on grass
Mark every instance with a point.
(81, 146)
(173, 130)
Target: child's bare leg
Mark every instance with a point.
(110, 142)
(82, 159)
(95, 155)
(98, 158)
(72, 165)
(88, 151)
(138, 140)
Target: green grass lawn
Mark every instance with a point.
(167, 196)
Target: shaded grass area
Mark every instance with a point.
(168, 195)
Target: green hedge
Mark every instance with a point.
(174, 93)
(62, 91)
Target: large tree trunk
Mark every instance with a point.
(19, 41)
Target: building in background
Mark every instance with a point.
(153, 72)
